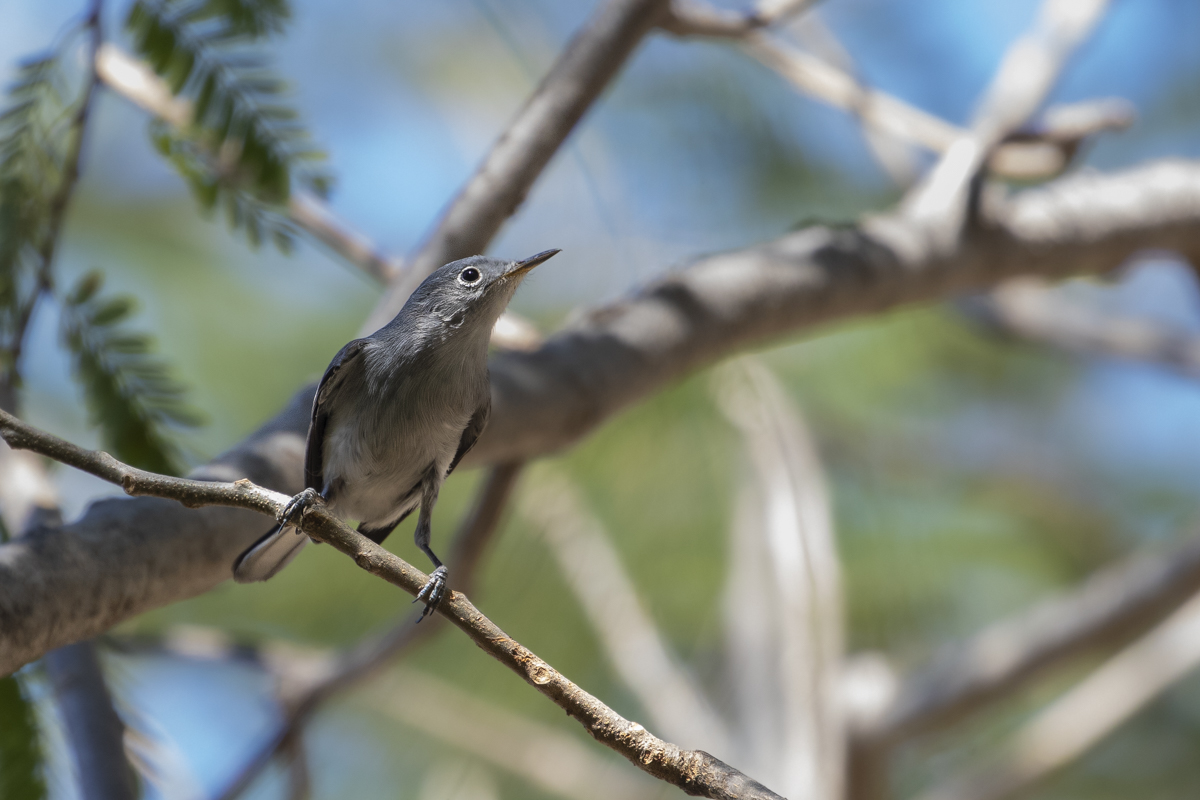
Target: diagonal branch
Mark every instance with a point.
(1076, 722)
(498, 187)
(1111, 608)
(366, 660)
(127, 556)
(635, 648)
(694, 771)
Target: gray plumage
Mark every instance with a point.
(396, 411)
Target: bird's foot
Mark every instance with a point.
(433, 592)
(295, 508)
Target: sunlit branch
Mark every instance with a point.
(694, 771)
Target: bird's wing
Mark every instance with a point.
(471, 433)
(335, 373)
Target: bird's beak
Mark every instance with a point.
(521, 267)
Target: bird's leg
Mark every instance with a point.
(435, 589)
(294, 509)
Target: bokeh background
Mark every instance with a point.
(972, 474)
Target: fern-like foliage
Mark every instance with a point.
(33, 133)
(21, 776)
(245, 148)
(131, 395)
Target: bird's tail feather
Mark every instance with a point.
(269, 554)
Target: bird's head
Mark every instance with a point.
(472, 293)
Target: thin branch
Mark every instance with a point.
(941, 203)
(500, 184)
(631, 641)
(695, 772)
(691, 18)
(1112, 607)
(784, 556)
(368, 659)
(1031, 309)
(1080, 719)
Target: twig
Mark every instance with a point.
(628, 636)
(695, 772)
(1031, 309)
(692, 18)
(1110, 608)
(368, 659)
(941, 204)
(783, 556)
(500, 184)
(1087, 713)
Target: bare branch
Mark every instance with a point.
(629, 637)
(1090, 711)
(1032, 309)
(499, 186)
(786, 556)
(321, 682)
(695, 772)
(939, 204)
(691, 18)
(1109, 609)
(127, 556)
(93, 728)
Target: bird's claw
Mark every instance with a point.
(433, 592)
(294, 509)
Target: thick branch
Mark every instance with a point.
(128, 556)
(696, 772)
(499, 186)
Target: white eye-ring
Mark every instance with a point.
(470, 276)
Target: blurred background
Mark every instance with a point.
(970, 473)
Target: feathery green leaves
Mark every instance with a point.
(21, 759)
(130, 393)
(34, 130)
(245, 147)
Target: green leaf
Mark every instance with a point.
(131, 394)
(21, 775)
(245, 141)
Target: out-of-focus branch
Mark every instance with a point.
(784, 571)
(93, 728)
(629, 638)
(695, 772)
(1032, 309)
(941, 203)
(1087, 713)
(693, 18)
(308, 691)
(498, 187)
(1109, 609)
(127, 556)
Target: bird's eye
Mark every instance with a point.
(469, 276)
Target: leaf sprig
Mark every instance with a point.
(245, 147)
(131, 394)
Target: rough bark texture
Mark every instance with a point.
(124, 557)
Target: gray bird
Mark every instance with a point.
(395, 413)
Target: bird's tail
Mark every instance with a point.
(269, 554)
